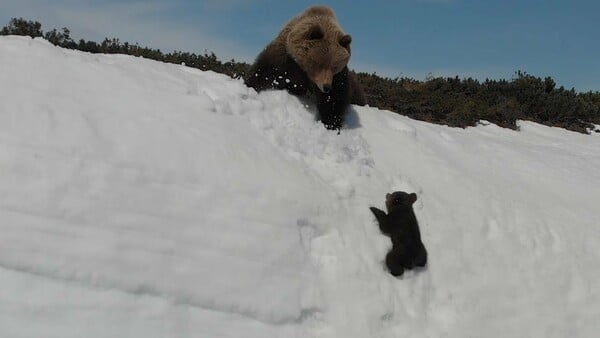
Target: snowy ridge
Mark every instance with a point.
(142, 199)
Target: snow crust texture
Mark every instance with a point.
(143, 199)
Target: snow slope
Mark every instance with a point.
(142, 199)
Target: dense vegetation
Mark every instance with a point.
(452, 101)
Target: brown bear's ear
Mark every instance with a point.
(315, 33)
(412, 198)
(345, 41)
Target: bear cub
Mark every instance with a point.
(310, 58)
(400, 224)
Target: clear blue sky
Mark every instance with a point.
(394, 38)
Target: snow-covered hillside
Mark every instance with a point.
(142, 199)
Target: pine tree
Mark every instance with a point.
(24, 27)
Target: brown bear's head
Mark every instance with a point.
(317, 43)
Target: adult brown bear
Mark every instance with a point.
(310, 58)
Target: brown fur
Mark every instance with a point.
(309, 57)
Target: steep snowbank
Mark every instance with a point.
(142, 199)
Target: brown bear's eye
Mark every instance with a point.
(315, 33)
(345, 41)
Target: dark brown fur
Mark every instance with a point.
(401, 225)
(309, 57)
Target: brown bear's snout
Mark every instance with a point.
(323, 80)
(325, 88)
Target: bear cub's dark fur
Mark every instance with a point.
(400, 224)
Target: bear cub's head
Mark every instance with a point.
(399, 199)
(319, 46)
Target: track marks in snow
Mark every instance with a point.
(340, 244)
